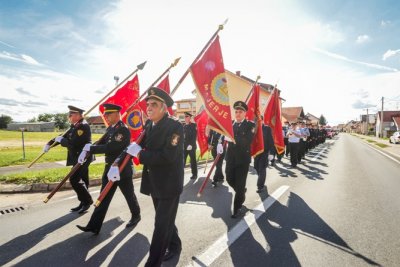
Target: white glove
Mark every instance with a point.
(82, 156)
(227, 139)
(87, 147)
(189, 147)
(58, 139)
(46, 148)
(133, 149)
(270, 157)
(113, 174)
(220, 149)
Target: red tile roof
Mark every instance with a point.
(293, 114)
(387, 115)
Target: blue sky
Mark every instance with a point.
(331, 57)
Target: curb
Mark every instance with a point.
(47, 187)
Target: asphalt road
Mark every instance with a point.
(340, 207)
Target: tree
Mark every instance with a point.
(322, 120)
(32, 120)
(4, 121)
(45, 117)
(61, 120)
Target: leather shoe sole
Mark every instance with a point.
(169, 254)
(77, 207)
(133, 222)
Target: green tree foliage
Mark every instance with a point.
(4, 121)
(322, 120)
(60, 119)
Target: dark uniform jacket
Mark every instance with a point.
(269, 146)
(215, 138)
(75, 139)
(116, 140)
(190, 135)
(162, 159)
(239, 153)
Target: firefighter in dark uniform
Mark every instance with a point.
(117, 139)
(161, 153)
(238, 156)
(215, 141)
(74, 140)
(189, 144)
(261, 160)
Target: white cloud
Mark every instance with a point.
(21, 58)
(385, 23)
(363, 39)
(390, 53)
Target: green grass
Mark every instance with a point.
(381, 145)
(51, 175)
(34, 136)
(371, 141)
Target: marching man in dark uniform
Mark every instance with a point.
(215, 141)
(189, 144)
(161, 153)
(117, 139)
(238, 156)
(75, 138)
(261, 160)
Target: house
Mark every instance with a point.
(386, 126)
(32, 126)
(185, 105)
(292, 114)
(96, 124)
(314, 120)
(368, 124)
(396, 120)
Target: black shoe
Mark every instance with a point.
(235, 214)
(133, 221)
(88, 229)
(214, 184)
(170, 254)
(193, 177)
(85, 207)
(77, 207)
(260, 190)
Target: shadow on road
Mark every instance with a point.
(280, 226)
(75, 250)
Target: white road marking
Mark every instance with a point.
(319, 154)
(218, 247)
(386, 155)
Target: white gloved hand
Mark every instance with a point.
(133, 149)
(227, 139)
(189, 147)
(220, 149)
(113, 174)
(82, 156)
(87, 147)
(58, 139)
(270, 157)
(46, 148)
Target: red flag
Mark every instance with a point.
(125, 97)
(209, 77)
(201, 120)
(272, 117)
(257, 146)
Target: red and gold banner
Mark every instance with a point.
(164, 85)
(209, 77)
(201, 120)
(272, 117)
(254, 114)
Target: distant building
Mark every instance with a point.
(293, 114)
(387, 123)
(32, 126)
(310, 118)
(96, 124)
(396, 120)
(185, 105)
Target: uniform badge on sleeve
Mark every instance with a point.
(79, 132)
(175, 139)
(119, 137)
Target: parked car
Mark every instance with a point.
(395, 138)
(329, 133)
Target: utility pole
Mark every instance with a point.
(381, 124)
(367, 122)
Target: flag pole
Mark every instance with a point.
(252, 88)
(220, 27)
(138, 67)
(173, 64)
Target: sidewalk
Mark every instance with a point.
(390, 149)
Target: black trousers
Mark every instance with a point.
(126, 187)
(193, 163)
(80, 183)
(286, 141)
(236, 176)
(294, 151)
(261, 164)
(302, 151)
(165, 233)
(218, 175)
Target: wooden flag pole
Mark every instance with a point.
(220, 27)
